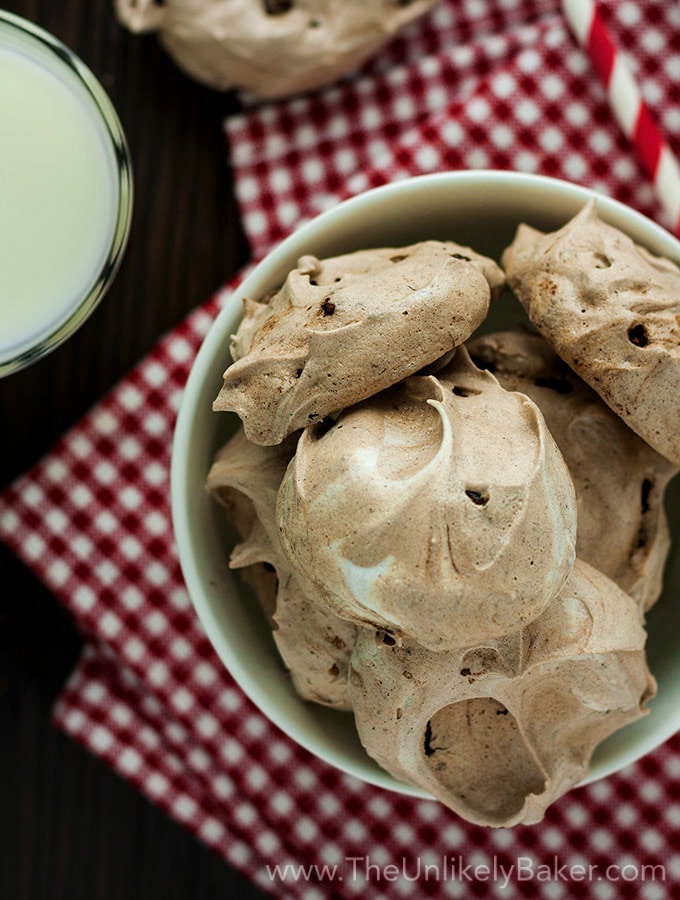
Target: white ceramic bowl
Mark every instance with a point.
(478, 208)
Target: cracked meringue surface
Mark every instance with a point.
(340, 330)
(611, 310)
(622, 527)
(500, 730)
(440, 510)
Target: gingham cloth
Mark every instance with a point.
(475, 84)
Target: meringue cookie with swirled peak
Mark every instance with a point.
(499, 730)
(342, 329)
(611, 310)
(272, 48)
(313, 643)
(439, 510)
(619, 479)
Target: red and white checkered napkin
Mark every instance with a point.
(476, 84)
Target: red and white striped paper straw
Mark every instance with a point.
(630, 111)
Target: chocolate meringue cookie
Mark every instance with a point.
(611, 310)
(440, 510)
(341, 330)
(245, 479)
(313, 643)
(622, 528)
(500, 730)
(272, 48)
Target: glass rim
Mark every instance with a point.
(123, 191)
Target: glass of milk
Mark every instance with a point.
(65, 192)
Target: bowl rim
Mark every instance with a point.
(292, 247)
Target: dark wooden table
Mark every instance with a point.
(69, 827)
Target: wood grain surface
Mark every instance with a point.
(69, 827)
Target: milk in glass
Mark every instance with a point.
(59, 193)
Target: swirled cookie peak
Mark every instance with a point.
(439, 510)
